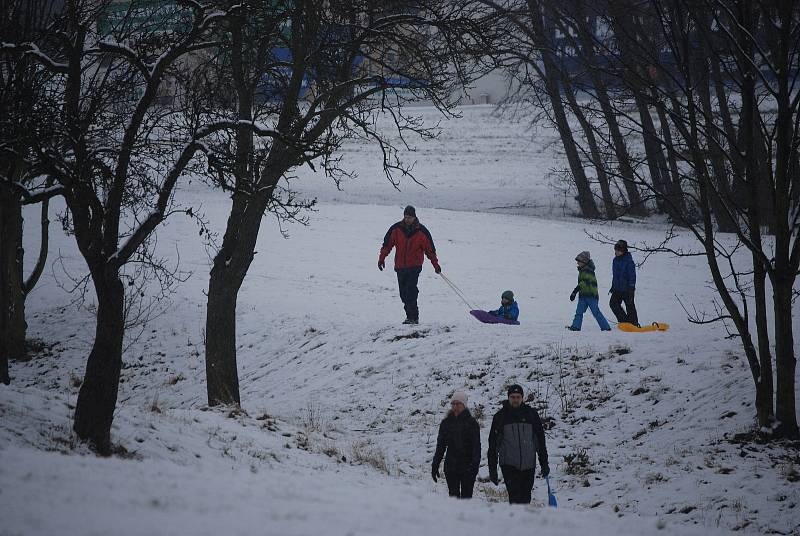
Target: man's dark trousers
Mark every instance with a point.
(460, 484)
(519, 484)
(619, 296)
(407, 279)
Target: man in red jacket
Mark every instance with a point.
(411, 240)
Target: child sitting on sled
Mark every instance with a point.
(508, 307)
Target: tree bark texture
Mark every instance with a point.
(222, 375)
(750, 175)
(11, 258)
(238, 244)
(227, 274)
(4, 294)
(785, 361)
(97, 398)
(785, 268)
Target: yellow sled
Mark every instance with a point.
(631, 328)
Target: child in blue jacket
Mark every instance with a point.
(623, 284)
(508, 307)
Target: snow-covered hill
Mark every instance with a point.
(341, 402)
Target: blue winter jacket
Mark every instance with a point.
(623, 273)
(510, 311)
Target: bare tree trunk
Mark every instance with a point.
(675, 189)
(635, 205)
(234, 257)
(12, 257)
(4, 293)
(14, 290)
(765, 388)
(722, 188)
(44, 244)
(227, 274)
(585, 197)
(634, 57)
(594, 150)
(734, 137)
(785, 271)
(749, 164)
(97, 398)
(656, 163)
(551, 77)
(785, 360)
(222, 375)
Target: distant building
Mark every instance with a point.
(131, 18)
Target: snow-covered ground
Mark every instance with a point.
(341, 402)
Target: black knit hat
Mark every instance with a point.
(507, 295)
(410, 211)
(621, 245)
(515, 388)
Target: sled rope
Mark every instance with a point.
(457, 290)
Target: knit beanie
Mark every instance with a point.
(515, 388)
(583, 257)
(410, 211)
(459, 396)
(507, 295)
(621, 245)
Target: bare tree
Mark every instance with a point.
(528, 53)
(328, 75)
(118, 155)
(25, 116)
(578, 22)
(729, 71)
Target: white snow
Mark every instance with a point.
(341, 402)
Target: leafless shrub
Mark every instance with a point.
(365, 452)
(153, 406)
(312, 419)
(577, 462)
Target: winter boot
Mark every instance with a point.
(410, 321)
(572, 328)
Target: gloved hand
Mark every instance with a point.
(435, 473)
(381, 265)
(572, 296)
(545, 471)
(437, 268)
(493, 476)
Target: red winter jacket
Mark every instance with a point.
(410, 244)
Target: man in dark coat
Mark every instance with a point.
(460, 437)
(516, 437)
(623, 284)
(411, 241)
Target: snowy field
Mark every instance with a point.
(341, 402)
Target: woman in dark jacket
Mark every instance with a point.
(460, 437)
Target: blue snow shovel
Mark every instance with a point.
(551, 498)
